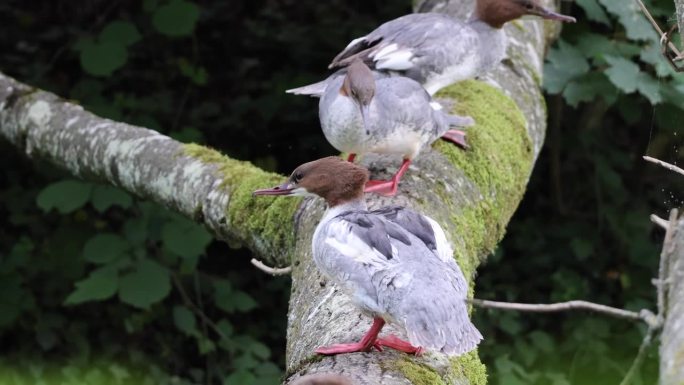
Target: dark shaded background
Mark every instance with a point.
(582, 231)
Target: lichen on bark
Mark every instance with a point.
(274, 224)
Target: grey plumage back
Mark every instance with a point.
(433, 311)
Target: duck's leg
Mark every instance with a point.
(458, 136)
(351, 157)
(388, 187)
(397, 343)
(365, 345)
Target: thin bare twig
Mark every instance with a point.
(657, 27)
(195, 309)
(644, 315)
(668, 166)
(663, 224)
(271, 270)
(639, 359)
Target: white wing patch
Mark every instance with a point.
(436, 106)
(392, 57)
(346, 243)
(444, 250)
(354, 42)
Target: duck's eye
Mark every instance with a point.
(529, 6)
(297, 177)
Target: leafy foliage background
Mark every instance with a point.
(97, 286)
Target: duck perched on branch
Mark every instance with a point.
(394, 263)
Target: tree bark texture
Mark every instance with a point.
(679, 6)
(672, 337)
(472, 194)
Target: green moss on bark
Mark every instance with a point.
(266, 221)
(467, 366)
(498, 163)
(419, 374)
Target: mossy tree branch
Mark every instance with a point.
(192, 180)
(472, 194)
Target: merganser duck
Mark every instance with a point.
(437, 50)
(364, 112)
(394, 263)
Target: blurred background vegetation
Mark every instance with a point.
(99, 287)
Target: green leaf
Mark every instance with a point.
(246, 361)
(652, 54)
(11, 299)
(268, 369)
(185, 238)
(135, 230)
(260, 350)
(243, 301)
(593, 45)
(582, 248)
(558, 378)
(541, 341)
(525, 351)
(241, 376)
(105, 197)
(588, 88)
(103, 58)
(101, 284)
(225, 327)
(622, 73)
(510, 324)
(65, 196)
(147, 284)
(150, 5)
(629, 14)
(565, 63)
(594, 11)
(650, 88)
(104, 248)
(198, 75)
(230, 300)
(184, 320)
(121, 32)
(205, 345)
(177, 18)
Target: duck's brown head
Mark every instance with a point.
(333, 179)
(496, 13)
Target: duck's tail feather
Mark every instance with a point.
(459, 121)
(448, 330)
(315, 90)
